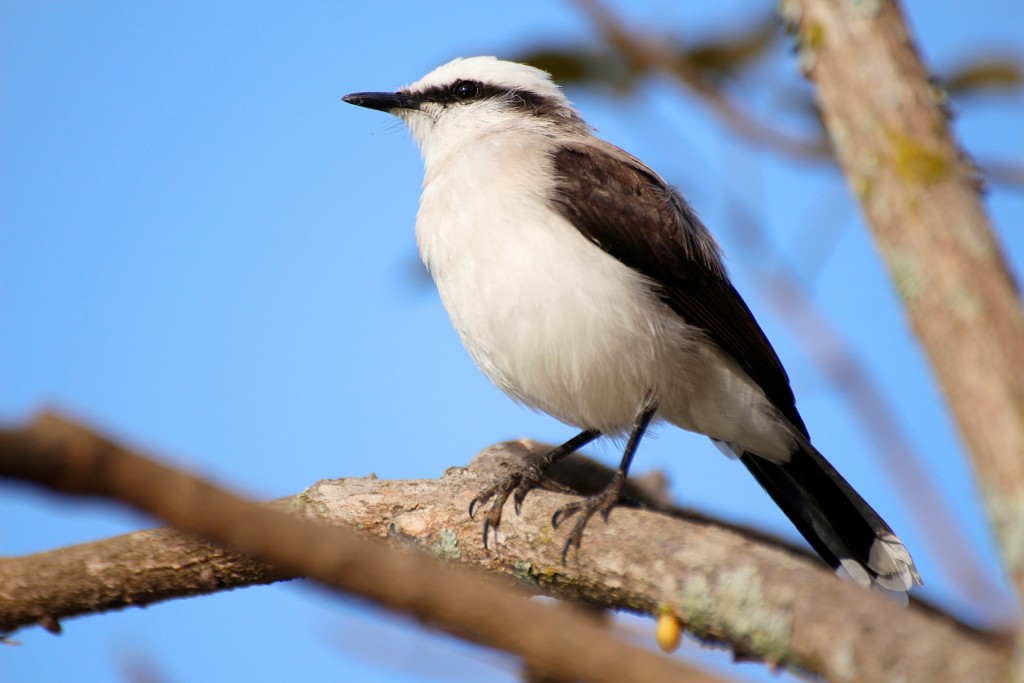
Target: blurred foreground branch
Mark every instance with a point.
(765, 601)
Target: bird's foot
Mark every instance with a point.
(518, 482)
(602, 502)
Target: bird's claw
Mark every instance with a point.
(516, 484)
(602, 502)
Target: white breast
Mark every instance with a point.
(551, 318)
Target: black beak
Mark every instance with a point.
(383, 101)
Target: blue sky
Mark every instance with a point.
(205, 252)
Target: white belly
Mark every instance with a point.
(550, 318)
(559, 324)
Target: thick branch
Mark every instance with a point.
(920, 196)
(65, 457)
(134, 569)
(765, 601)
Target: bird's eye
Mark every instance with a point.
(465, 90)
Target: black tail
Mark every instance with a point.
(840, 526)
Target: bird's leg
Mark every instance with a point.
(603, 502)
(524, 479)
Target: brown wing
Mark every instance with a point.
(656, 233)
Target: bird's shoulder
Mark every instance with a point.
(630, 211)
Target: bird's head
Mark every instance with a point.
(470, 97)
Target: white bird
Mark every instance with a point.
(584, 286)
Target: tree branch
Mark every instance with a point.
(920, 196)
(648, 53)
(65, 457)
(645, 53)
(765, 601)
(134, 569)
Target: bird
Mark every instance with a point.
(586, 287)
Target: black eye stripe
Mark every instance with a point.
(464, 91)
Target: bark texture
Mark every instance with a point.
(134, 569)
(921, 197)
(762, 600)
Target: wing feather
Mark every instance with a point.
(671, 248)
